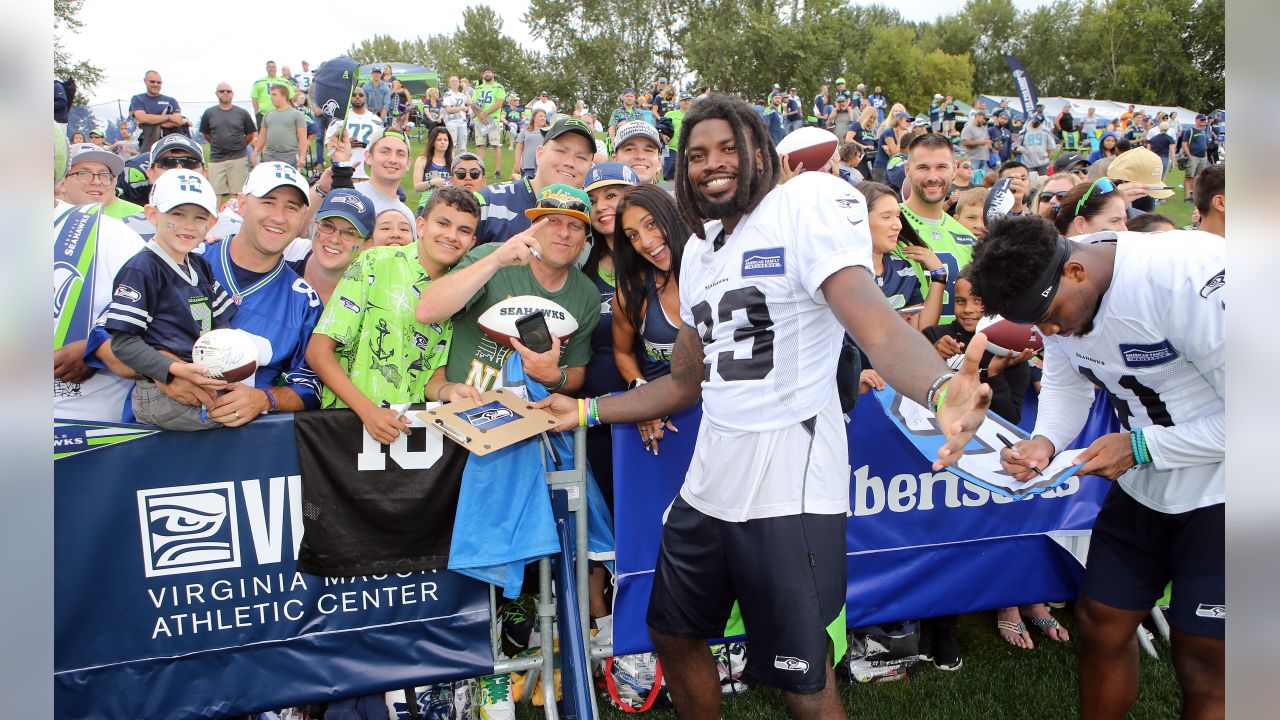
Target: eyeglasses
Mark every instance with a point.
(347, 233)
(186, 162)
(1103, 185)
(1049, 196)
(475, 174)
(87, 177)
(557, 204)
(222, 91)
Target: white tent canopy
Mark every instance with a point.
(1105, 109)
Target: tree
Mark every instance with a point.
(86, 74)
(932, 71)
(600, 47)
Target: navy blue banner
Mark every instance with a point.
(177, 595)
(1026, 88)
(920, 543)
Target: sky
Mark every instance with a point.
(236, 50)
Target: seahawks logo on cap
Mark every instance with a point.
(352, 199)
(330, 107)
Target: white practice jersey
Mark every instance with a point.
(101, 397)
(770, 341)
(359, 126)
(1158, 349)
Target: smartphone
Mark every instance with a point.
(534, 332)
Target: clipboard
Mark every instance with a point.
(500, 419)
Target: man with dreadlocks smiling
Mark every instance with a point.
(769, 283)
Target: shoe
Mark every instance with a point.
(519, 617)
(946, 650)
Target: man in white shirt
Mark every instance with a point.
(303, 79)
(543, 103)
(361, 125)
(455, 104)
(1143, 318)
(768, 287)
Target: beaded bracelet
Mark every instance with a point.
(1139, 445)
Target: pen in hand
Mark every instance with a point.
(1009, 444)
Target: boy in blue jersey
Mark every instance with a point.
(165, 298)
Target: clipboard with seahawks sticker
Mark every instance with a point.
(500, 419)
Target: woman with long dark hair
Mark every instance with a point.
(647, 244)
(431, 167)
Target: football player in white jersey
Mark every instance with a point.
(768, 288)
(1142, 317)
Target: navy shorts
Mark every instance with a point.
(787, 574)
(1136, 551)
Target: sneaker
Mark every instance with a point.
(519, 617)
(946, 650)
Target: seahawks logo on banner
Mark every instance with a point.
(73, 438)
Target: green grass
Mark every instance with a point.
(997, 681)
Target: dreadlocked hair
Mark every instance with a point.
(632, 270)
(753, 186)
(1009, 260)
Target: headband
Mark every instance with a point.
(1034, 304)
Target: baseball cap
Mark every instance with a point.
(937, 96)
(840, 81)
(610, 173)
(1202, 117)
(176, 141)
(901, 114)
(183, 187)
(628, 91)
(380, 134)
(920, 122)
(88, 152)
(1140, 165)
(637, 128)
(542, 94)
(564, 200)
(97, 132)
(1067, 162)
(351, 206)
(572, 125)
(268, 176)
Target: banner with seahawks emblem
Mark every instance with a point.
(920, 543)
(177, 592)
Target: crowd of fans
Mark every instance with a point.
(300, 233)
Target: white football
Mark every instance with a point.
(499, 321)
(812, 146)
(227, 354)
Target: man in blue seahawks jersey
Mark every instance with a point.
(273, 303)
(564, 157)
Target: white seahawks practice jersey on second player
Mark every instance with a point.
(1158, 349)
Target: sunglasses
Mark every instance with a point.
(556, 204)
(222, 91)
(1049, 196)
(1103, 186)
(186, 162)
(474, 174)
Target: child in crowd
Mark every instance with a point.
(165, 298)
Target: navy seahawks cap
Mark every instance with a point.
(628, 90)
(610, 173)
(349, 205)
(176, 141)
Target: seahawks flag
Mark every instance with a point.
(1026, 88)
(370, 509)
(332, 85)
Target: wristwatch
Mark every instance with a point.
(341, 164)
(939, 276)
(637, 383)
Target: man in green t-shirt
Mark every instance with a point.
(260, 94)
(673, 145)
(496, 271)
(368, 349)
(930, 170)
(487, 100)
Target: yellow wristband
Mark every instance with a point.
(582, 412)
